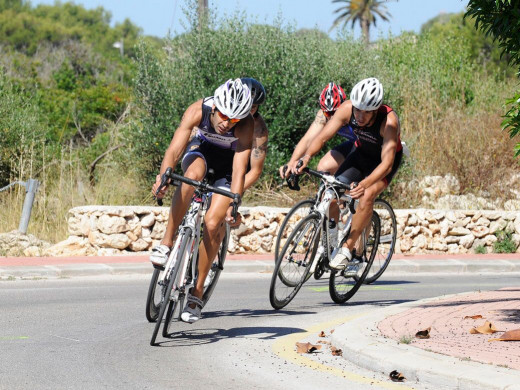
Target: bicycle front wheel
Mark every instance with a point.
(153, 299)
(216, 268)
(387, 239)
(171, 281)
(294, 262)
(343, 287)
(299, 211)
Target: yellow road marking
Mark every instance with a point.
(284, 347)
(14, 337)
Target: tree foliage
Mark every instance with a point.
(481, 47)
(294, 66)
(501, 20)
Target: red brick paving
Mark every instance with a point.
(450, 331)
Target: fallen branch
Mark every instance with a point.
(98, 159)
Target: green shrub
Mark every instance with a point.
(504, 243)
(480, 249)
(434, 93)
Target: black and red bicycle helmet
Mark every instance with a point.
(331, 97)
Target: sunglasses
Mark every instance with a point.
(328, 114)
(227, 118)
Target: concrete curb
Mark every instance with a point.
(255, 264)
(364, 345)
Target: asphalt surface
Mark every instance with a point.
(91, 332)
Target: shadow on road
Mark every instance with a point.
(392, 282)
(254, 313)
(207, 336)
(380, 302)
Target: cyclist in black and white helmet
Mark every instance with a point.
(260, 135)
(223, 143)
(371, 164)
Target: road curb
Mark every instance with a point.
(364, 345)
(70, 267)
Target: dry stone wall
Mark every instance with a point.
(107, 230)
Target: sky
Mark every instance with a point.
(160, 17)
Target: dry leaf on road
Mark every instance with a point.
(322, 334)
(424, 334)
(510, 335)
(397, 376)
(323, 342)
(307, 347)
(487, 328)
(475, 317)
(336, 351)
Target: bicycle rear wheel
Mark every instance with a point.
(299, 211)
(216, 267)
(387, 239)
(294, 262)
(171, 282)
(341, 287)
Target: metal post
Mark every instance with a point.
(31, 186)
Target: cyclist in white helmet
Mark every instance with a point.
(223, 143)
(371, 164)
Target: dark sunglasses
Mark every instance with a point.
(226, 118)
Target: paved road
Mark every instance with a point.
(92, 333)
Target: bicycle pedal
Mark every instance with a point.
(159, 267)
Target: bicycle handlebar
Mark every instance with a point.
(169, 175)
(292, 182)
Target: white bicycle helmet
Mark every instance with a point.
(367, 95)
(233, 99)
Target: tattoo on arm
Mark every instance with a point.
(259, 151)
(263, 130)
(320, 119)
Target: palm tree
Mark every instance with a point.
(202, 11)
(362, 11)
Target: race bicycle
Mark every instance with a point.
(297, 259)
(169, 286)
(387, 238)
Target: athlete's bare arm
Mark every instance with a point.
(191, 118)
(244, 132)
(341, 116)
(258, 152)
(312, 132)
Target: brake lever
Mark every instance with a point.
(236, 204)
(164, 182)
(293, 179)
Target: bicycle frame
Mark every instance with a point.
(192, 220)
(327, 193)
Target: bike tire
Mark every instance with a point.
(306, 232)
(152, 306)
(387, 240)
(171, 282)
(300, 209)
(342, 288)
(217, 266)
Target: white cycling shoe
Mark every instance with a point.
(341, 259)
(189, 314)
(159, 255)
